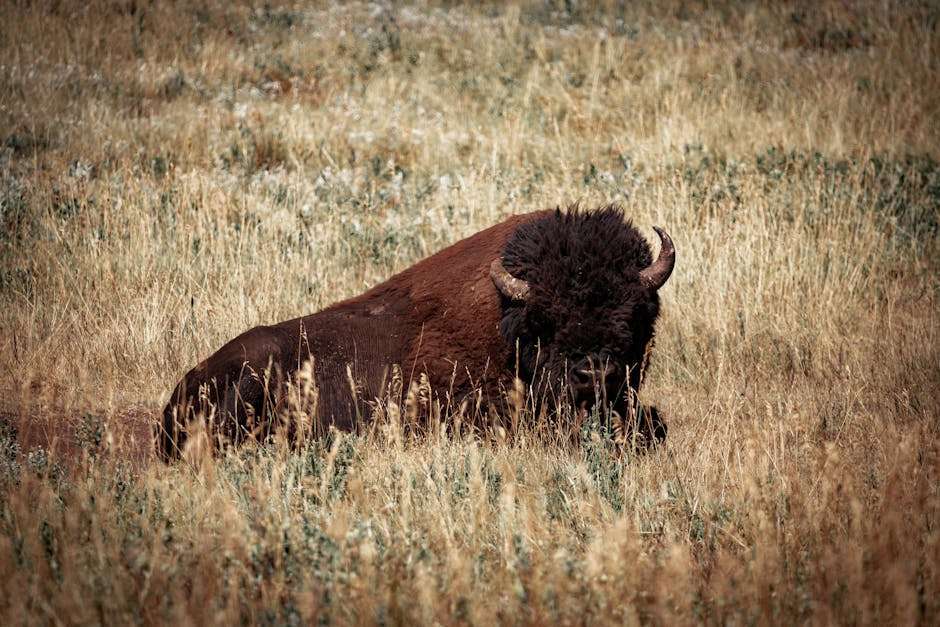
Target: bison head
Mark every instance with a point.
(579, 298)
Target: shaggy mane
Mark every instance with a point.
(570, 254)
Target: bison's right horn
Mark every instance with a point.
(655, 276)
(507, 284)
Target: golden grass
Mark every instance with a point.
(172, 174)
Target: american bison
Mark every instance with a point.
(564, 300)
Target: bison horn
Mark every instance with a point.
(508, 285)
(655, 276)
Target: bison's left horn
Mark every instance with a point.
(655, 276)
(507, 284)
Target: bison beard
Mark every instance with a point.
(565, 299)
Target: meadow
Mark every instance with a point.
(174, 173)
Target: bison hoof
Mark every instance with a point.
(653, 427)
(647, 432)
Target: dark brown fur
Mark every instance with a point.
(442, 317)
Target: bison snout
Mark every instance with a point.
(592, 371)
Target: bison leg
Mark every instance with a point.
(646, 429)
(171, 434)
(235, 411)
(652, 428)
(247, 407)
(231, 388)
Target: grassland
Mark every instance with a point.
(174, 173)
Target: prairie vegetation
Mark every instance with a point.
(174, 173)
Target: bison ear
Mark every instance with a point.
(508, 285)
(655, 276)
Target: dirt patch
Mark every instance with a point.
(68, 435)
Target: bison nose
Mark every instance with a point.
(592, 371)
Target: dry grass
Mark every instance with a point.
(173, 173)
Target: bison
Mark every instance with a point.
(565, 301)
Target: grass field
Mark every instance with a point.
(174, 173)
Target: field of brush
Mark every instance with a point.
(173, 173)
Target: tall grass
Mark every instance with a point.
(172, 174)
